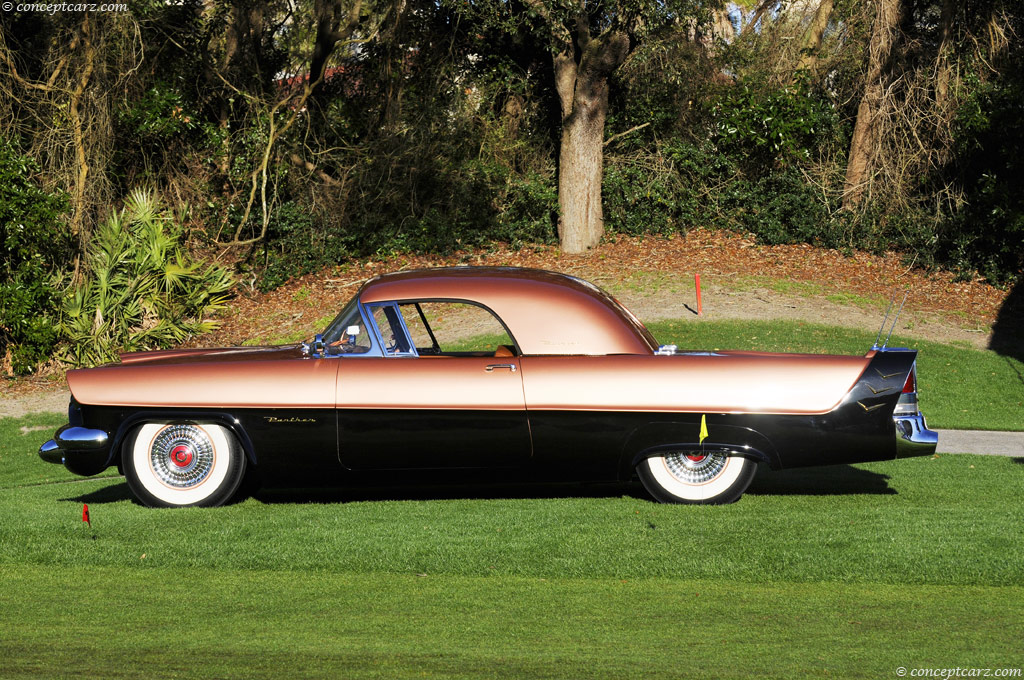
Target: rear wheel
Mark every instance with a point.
(696, 477)
(183, 464)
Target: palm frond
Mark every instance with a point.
(141, 289)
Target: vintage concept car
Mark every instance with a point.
(503, 372)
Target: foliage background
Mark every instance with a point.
(435, 126)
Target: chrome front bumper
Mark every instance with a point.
(81, 450)
(913, 438)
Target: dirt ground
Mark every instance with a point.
(654, 277)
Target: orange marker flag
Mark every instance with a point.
(85, 515)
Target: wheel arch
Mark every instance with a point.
(230, 422)
(659, 437)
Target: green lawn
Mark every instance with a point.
(161, 623)
(847, 571)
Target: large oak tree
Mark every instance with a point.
(588, 40)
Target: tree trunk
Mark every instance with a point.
(581, 166)
(328, 15)
(815, 34)
(583, 92)
(79, 203)
(942, 65)
(859, 166)
(721, 25)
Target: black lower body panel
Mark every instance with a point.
(311, 447)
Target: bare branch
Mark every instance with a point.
(623, 134)
(756, 17)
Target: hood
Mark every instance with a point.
(229, 377)
(218, 354)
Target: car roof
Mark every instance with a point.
(546, 312)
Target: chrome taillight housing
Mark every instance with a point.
(907, 405)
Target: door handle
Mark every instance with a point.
(491, 367)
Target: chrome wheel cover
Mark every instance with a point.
(182, 456)
(694, 467)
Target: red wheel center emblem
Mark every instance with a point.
(181, 455)
(696, 458)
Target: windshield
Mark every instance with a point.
(348, 333)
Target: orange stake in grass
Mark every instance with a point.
(700, 307)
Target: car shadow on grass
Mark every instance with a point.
(833, 480)
(830, 480)
(119, 492)
(443, 492)
(115, 493)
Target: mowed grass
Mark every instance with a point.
(123, 623)
(846, 571)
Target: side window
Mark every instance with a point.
(392, 330)
(455, 329)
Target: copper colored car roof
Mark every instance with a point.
(545, 312)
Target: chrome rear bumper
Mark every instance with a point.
(913, 438)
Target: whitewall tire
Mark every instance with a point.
(182, 464)
(696, 477)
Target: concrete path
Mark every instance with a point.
(981, 441)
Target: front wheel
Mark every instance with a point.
(183, 464)
(696, 477)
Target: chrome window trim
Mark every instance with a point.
(375, 346)
(462, 301)
(371, 307)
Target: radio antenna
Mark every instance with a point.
(886, 319)
(896, 318)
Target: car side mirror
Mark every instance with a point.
(318, 345)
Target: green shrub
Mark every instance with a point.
(295, 246)
(986, 233)
(159, 116)
(683, 184)
(643, 194)
(465, 203)
(761, 126)
(141, 289)
(33, 248)
(527, 209)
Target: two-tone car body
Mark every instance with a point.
(524, 374)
